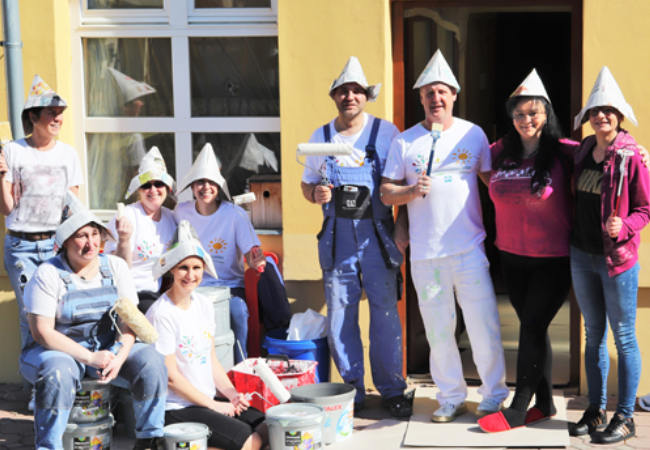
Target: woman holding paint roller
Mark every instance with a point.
(147, 226)
(199, 389)
(226, 232)
(72, 334)
(612, 207)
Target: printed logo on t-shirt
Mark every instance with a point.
(217, 246)
(420, 163)
(590, 181)
(462, 157)
(147, 250)
(196, 350)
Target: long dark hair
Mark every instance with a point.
(549, 146)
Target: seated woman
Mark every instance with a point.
(199, 389)
(226, 232)
(72, 335)
(147, 226)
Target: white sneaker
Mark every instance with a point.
(32, 402)
(448, 412)
(488, 406)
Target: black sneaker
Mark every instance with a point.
(157, 443)
(592, 420)
(398, 406)
(619, 429)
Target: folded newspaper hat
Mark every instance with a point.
(353, 73)
(437, 71)
(532, 86)
(75, 216)
(41, 95)
(131, 88)
(152, 167)
(205, 167)
(605, 93)
(184, 244)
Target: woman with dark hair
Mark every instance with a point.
(530, 186)
(612, 207)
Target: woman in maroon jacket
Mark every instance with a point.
(612, 207)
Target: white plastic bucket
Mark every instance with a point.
(295, 426)
(220, 298)
(224, 347)
(186, 436)
(88, 436)
(337, 399)
(92, 402)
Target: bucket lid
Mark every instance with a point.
(323, 393)
(295, 411)
(106, 423)
(187, 430)
(93, 384)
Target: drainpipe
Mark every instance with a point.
(13, 56)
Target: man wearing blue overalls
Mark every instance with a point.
(356, 248)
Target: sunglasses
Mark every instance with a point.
(156, 184)
(606, 110)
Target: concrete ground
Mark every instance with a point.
(17, 424)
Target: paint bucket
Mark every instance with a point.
(224, 347)
(295, 426)
(187, 436)
(307, 350)
(337, 399)
(91, 403)
(88, 436)
(220, 298)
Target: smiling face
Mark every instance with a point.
(438, 102)
(188, 274)
(350, 99)
(83, 246)
(529, 118)
(205, 191)
(605, 120)
(152, 195)
(49, 123)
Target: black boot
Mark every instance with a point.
(157, 443)
(593, 419)
(619, 429)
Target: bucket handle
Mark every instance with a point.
(284, 358)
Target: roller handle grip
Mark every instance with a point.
(254, 250)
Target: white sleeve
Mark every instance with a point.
(76, 175)
(208, 311)
(387, 134)
(43, 291)
(243, 229)
(394, 168)
(123, 279)
(166, 343)
(8, 152)
(486, 155)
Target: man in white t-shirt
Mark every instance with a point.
(446, 233)
(356, 247)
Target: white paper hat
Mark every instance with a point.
(205, 167)
(437, 71)
(353, 73)
(131, 88)
(75, 216)
(152, 167)
(41, 95)
(185, 243)
(532, 86)
(605, 93)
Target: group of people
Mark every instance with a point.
(66, 286)
(565, 212)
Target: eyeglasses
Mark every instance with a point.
(522, 116)
(606, 110)
(157, 184)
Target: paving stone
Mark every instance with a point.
(15, 426)
(8, 438)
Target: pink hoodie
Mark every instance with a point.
(620, 253)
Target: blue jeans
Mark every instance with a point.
(602, 297)
(57, 377)
(22, 258)
(239, 322)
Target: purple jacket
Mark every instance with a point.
(620, 253)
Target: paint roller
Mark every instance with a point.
(624, 154)
(248, 197)
(327, 149)
(136, 321)
(272, 381)
(436, 132)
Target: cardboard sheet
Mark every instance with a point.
(464, 432)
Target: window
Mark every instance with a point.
(174, 74)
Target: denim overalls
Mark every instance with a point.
(357, 251)
(57, 376)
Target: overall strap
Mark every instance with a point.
(105, 270)
(63, 273)
(370, 146)
(326, 132)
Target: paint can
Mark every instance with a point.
(88, 436)
(224, 347)
(337, 399)
(187, 436)
(91, 403)
(295, 426)
(220, 298)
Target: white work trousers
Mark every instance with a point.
(435, 281)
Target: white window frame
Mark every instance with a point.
(183, 125)
(123, 16)
(233, 15)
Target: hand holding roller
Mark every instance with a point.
(136, 321)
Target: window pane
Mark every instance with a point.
(124, 4)
(128, 77)
(113, 160)
(234, 76)
(241, 155)
(232, 4)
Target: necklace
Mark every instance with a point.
(84, 271)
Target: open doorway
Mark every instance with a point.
(491, 50)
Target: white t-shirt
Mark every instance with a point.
(448, 221)
(45, 290)
(227, 235)
(40, 181)
(150, 239)
(387, 132)
(188, 335)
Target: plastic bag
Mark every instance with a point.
(306, 326)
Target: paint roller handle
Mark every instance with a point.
(254, 252)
